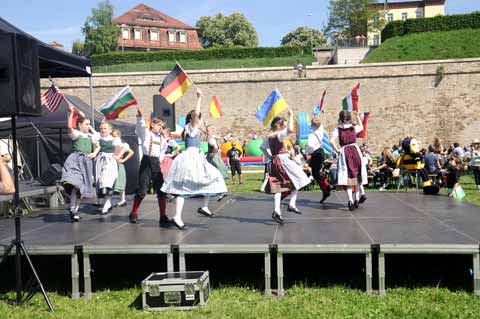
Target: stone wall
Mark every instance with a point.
(403, 98)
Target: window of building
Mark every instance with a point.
(138, 34)
(182, 36)
(390, 17)
(376, 19)
(154, 35)
(404, 16)
(171, 36)
(419, 14)
(376, 40)
(125, 33)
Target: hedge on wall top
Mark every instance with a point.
(438, 23)
(114, 58)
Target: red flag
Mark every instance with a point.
(323, 98)
(364, 116)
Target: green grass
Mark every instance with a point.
(428, 46)
(235, 302)
(207, 64)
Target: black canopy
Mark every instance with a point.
(53, 62)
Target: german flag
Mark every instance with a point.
(175, 84)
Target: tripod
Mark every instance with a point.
(17, 242)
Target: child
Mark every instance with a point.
(352, 169)
(284, 174)
(213, 157)
(153, 149)
(119, 153)
(77, 173)
(190, 173)
(454, 166)
(173, 149)
(317, 156)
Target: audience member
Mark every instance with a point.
(6, 181)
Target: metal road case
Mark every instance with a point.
(178, 290)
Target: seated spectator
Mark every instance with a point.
(6, 182)
(396, 151)
(458, 150)
(432, 163)
(475, 161)
(385, 168)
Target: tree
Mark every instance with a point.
(303, 37)
(101, 33)
(78, 47)
(353, 17)
(226, 31)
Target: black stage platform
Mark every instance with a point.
(388, 223)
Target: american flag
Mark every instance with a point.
(52, 98)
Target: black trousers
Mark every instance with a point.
(150, 173)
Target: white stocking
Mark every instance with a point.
(206, 199)
(293, 199)
(349, 193)
(278, 199)
(178, 210)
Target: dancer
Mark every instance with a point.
(77, 174)
(352, 169)
(284, 173)
(121, 149)
(153, 149)
(173, 149)
(317, 156)
(213, 157)
(190, 173)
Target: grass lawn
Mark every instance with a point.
(234, 302)
(206, 64)
(428, 46)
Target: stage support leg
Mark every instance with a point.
(87, 280)
(181, 262)
(268, 275)
(280, 291)
(476, 274)
(53, 200)
(381, 274)
(170, 262)
(368, 272)
(75, 277)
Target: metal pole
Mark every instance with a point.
(17, 213)
(38, 158)
(91, 101)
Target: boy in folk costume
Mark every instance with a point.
(352, 169)
(106, 167)
(153, 149)
(119, 155)
(190, 173)
(77, 174)
(317, 156)
(284, 173)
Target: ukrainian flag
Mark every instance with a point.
(273, 105)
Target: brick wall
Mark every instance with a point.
(403, 98)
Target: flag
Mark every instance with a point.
(364, 118)
(273, 105)
(75, 118)
(214, 109)
(175, 84)
(319, 107)
(350, 102)
(148, 124)
(118, 103)
(52, 98)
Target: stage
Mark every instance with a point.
(388, 223)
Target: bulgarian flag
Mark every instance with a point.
(118, 103)
(214, 109)
(364, 116)
(350, 102)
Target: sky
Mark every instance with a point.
(62, 20)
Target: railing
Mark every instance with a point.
(360, 42)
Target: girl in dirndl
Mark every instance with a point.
(121, 158)
(213, 155)
(172, 150)
(77, 174)
(352, 168)
(284, 174)
(190, 173)
(106, 167)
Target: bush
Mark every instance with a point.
(114, 58)
(438, 23)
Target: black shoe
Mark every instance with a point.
(362, 200)
(294, 209)
(178, 226)
(325, 196)
(276, 217)
(165, 222)
(75, 217)
(203, 212)
(222, 196)
(355, 204)
(133, 218)
(351, 206)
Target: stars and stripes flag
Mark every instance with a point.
(52, 98)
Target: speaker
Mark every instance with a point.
(19, 76)
(52, 175)
(164, 110)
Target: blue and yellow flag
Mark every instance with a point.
(273, 105)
